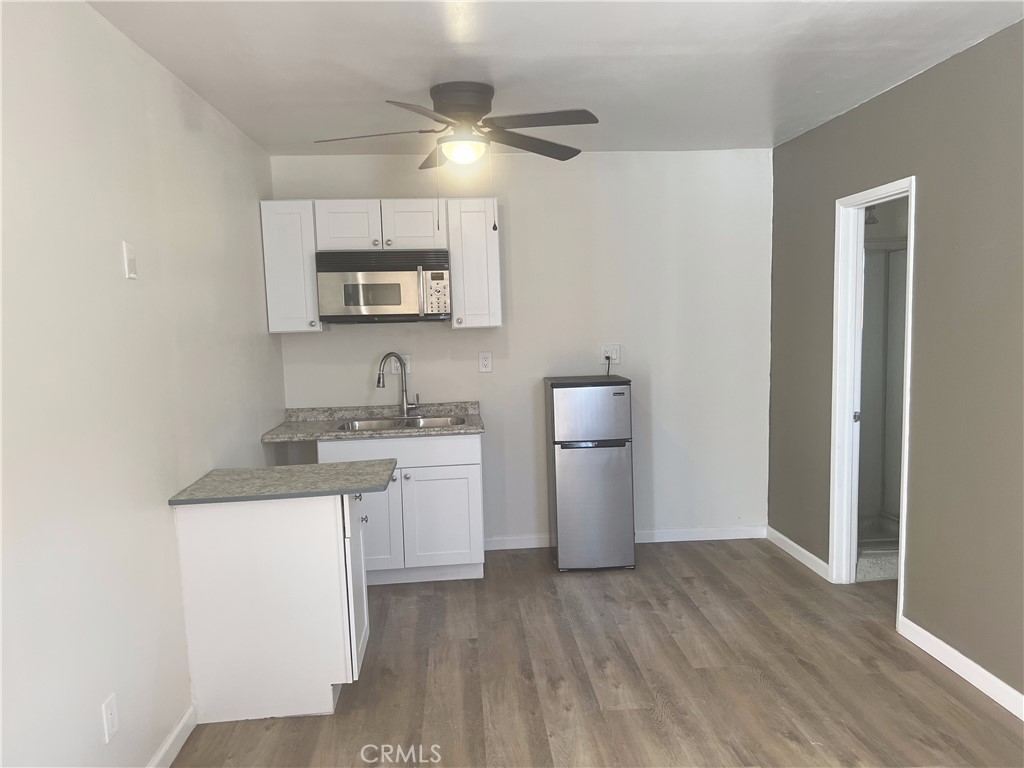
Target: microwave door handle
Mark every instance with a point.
(423, 290)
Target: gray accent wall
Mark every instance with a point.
(959, 128)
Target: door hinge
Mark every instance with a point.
(856, 415)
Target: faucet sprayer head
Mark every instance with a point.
(380, 380)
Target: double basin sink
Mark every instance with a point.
(411, 422)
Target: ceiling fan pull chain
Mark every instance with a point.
(437, 189)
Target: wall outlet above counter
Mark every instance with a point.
(464, 231)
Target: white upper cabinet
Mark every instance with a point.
(413, 224)
(475, 272)
(348, 225)
(289, 258)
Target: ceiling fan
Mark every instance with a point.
(461, 108)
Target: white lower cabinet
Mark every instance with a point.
(428, 525)
(275, 605)
(381, 517)
(442, 511)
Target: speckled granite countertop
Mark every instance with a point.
(289, 482)
(312, 424)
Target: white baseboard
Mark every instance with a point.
(523, 541)
(1001, 693)
(175, 740)
(798, 553)
(651, 535)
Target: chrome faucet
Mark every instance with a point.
(406, 405)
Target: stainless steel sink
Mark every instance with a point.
(361, 425)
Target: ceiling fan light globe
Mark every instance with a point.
(463, 151)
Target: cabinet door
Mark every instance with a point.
(475, 274)
(289, 263)
(381, 517)
(410, 224)
(347, 225)
(443, 515)
(358, 604)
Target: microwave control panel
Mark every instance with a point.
(437, 293)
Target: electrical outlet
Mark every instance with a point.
(613, 351)
(111, 721)
(485, 363)
(131, 268)
(396, 369)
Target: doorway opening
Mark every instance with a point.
(872, 314)
(881, 390)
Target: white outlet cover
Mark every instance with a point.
(613, 351)
(131, 267)
(111, 720)
(486, 363)
(408, 364)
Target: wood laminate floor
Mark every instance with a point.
(709, 653)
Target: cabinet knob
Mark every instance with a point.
(312, 323)
(365, 518)
(387, 242)
(458, 321)
(358, 497)
(408, 477)
(376, 242)
(394, 478)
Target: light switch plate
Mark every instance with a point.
(111, 720)
(396, 370)
(131, 269)
(613, 351)
(486, 363)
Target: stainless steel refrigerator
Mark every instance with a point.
(590, 471)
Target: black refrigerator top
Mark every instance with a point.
(586, 381)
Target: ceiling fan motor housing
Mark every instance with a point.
(463, 101)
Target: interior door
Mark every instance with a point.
(348, 225)
(413, 224)
(358, 604)
(442, 515)
(380, 515)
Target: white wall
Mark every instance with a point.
(667, 254)
(116, 393)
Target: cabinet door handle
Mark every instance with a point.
(394, 478)
(365, 518)
(358, 497)
(312, 323)
(376, 242)
(408, 477)
(387, 242)
(458, 321)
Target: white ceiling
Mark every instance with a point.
(660, 76)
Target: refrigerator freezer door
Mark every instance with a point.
(594, 502)
(591, 413)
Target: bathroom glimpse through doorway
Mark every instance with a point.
(872, 313)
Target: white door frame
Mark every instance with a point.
(847, 328)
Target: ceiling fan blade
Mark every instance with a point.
(539, 119)
(532, 144)
(374, 135)
(433, 160)
(435, 116)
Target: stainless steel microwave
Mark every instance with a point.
(383, 286)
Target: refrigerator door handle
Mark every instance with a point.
(594, 444)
